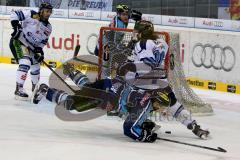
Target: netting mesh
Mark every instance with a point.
(116, 48)
(177, 80)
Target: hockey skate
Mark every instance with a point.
(20, 94)
(39, 93)
(196, 129)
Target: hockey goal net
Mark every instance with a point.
(115, 49)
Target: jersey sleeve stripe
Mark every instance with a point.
(22, 15)
(17, 13)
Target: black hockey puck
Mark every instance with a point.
(168, 132)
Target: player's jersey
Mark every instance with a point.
(117, 23)
(35, 32)
(149, 54)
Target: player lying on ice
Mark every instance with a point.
(134, 102)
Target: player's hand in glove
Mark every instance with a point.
(17, 29)
(136, 15)
(148, 134)
(38, 54)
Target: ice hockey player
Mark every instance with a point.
(72, 102)
(122, 17)
(150, 53)
(31, 32)
(121, 20)
(132, 101)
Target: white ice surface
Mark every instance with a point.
(33, 132)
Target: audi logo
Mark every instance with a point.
(213, 56)
(218, 24)
(89, 14)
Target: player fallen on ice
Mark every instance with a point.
(31, 33)
(150, 52)
(121, 20)
(134, 102)
(75, 101)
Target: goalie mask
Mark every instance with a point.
(144, 29)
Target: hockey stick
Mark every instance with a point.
(218, 149)
(92, 63)
(49, 67)
(60, 78)
(76, 51)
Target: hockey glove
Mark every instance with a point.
(38, 54)
(136, 15)
(17, 29)
(147, 134)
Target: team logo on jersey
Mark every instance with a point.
(55, 3)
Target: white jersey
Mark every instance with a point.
(35, 32)
(149, 54)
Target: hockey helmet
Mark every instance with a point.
(145, 28)
(45, 5)
(122, 8)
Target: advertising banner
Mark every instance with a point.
(155, 19)
(218, 24)
(214, 56)
(178, 21)
(60, 13)
(83, 14)
(3, 9)
(98, 5)
(1, 37)
(107, 16)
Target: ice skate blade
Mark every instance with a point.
(18, 98)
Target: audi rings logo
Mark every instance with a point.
(217, 57)
(218, 24)
(89, 14)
